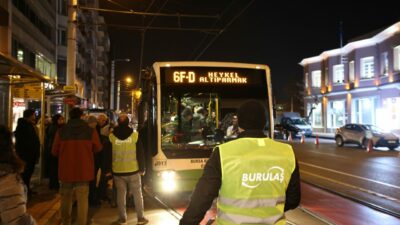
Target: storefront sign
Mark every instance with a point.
(28, 91)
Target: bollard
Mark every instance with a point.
(302, 139)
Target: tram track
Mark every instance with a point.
(289, 220)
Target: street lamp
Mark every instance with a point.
(128, 80)
(112, 106)
(136, 95)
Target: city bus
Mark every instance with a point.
(188, 107)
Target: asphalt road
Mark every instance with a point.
(369, 177)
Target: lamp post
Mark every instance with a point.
(128, 80)
(112, 106)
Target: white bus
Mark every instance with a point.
(189, 106)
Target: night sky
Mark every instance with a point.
(259, 31)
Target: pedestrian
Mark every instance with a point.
(13, 193)
(233, 130)
(103, 129)
(127, 167)
(27, 145)
(256, 179)
(94, 200)
(74, 145)
(52, 161)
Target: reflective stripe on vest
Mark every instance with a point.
(255, 175)
(124, 154)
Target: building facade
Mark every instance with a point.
(35, 34)
(358, 83)
(92, 60)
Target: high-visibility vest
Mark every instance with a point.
(124, 154)
(255, 175)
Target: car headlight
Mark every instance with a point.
(168, 181)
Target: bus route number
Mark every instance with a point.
(184, 77)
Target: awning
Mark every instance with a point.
(21, 73)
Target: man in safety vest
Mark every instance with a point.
(127, 167)
(256, 179)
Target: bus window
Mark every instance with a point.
(189, 119)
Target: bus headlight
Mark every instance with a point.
(168, 182)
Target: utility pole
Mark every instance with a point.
(71, 44)
(71, 47)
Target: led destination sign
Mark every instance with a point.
(218, 76)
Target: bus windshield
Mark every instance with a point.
(197, 117)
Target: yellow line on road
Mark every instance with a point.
(350, 175)
(352, 186)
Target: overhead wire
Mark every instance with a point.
(222, 30)
(147, 13)
(215, 23)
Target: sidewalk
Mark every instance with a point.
(44, 205)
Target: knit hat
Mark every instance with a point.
(251, 115)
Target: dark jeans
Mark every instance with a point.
(27, 174)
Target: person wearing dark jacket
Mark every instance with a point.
(256, 179)
(52, 161)
(75, 145)
(27, 145)
(127, 167)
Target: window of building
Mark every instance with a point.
(367, 67)
(62, 37)
(384, 64)
(316, 78)
(62, 71)
(20, 55)
(336, 114)
(338, 74)
(306, 80)
(45, 66)
(351, 71)
(388, 116)
(62, 7)
(363, 110)
(396, 58)
(316, 116)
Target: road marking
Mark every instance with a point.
(351, 175)
(354, 187)
(338, 156)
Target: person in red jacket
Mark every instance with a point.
(74, 146)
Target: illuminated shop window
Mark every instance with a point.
(363, 110)
(336, 114)
(316, 116)
(388, 116)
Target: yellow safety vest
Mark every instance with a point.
(124, 154)
(255, 175)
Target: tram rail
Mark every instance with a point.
(302, 216)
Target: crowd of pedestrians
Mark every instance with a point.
(80, 158)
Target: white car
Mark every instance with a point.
(361, 134)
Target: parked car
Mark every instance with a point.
(293, 124)
(279, 132)
(361, 134)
